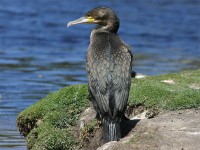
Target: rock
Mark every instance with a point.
(63, 121)
(107, 145)
(160, 133)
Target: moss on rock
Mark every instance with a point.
(170, 91)
(51, 122)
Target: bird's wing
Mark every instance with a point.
(97, 78)
(122, 78)
(121, 72)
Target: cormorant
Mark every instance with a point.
(109, 66)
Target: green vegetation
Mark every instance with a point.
(50, 124)
(182, 91)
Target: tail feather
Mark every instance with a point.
(111, 130)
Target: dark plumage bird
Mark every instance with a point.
(109, 66)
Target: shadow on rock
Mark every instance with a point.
(127, 125)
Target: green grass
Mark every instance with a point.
(50, 124)
(151, 91)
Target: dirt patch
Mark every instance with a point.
(177, 130)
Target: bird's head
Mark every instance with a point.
(104, 17)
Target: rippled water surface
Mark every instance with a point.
(38, 54)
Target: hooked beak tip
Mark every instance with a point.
(68, 25)
(77, 21)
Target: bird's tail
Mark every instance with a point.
(111, 130)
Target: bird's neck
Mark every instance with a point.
(110, 26)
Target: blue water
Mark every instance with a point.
(38, 54)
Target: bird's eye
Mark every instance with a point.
(89, 15)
